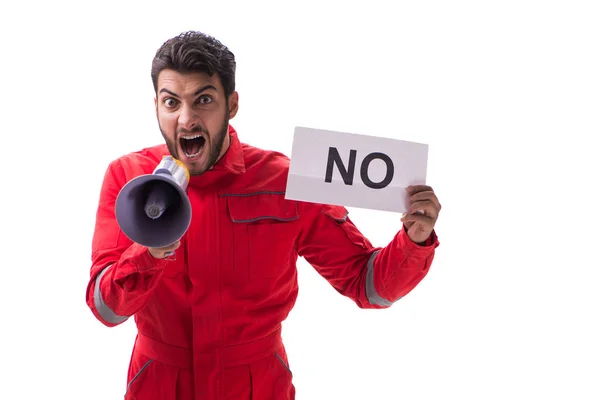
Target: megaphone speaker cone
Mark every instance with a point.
(153, 210)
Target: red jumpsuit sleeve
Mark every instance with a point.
(373, 277)
(123, 274)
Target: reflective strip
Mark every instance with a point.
(372, 295)
(137, 375)
(283, 362)
(105, 312)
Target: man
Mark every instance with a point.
(209, 321)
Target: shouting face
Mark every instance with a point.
(193, 115)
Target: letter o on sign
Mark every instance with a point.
(364, 170)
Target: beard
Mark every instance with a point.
(217, 141)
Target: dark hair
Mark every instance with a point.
(196, 52)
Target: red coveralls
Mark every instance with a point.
(209, 323)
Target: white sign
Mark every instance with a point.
(354, 170)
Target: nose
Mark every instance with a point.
(188, 119)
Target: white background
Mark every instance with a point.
(507, 95)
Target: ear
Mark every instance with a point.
(156, 106)
(233, 104)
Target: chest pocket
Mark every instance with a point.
(264, 234)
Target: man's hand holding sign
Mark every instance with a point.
(423, 212)
(366, 172)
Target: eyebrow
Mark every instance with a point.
(196, 93)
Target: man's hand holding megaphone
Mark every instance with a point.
(164, 252)
(154, 211)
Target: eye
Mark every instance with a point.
(204, 99)
(170, 102)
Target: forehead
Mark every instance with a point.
(186, 84)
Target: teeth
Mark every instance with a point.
(191, 137)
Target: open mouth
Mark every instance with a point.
(192, 145)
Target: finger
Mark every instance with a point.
(428, 195)
(421, 219)
(426, 207)
(418, 188)
(403, 219)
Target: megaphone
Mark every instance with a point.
(153, 209)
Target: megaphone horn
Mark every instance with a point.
(153, 209)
